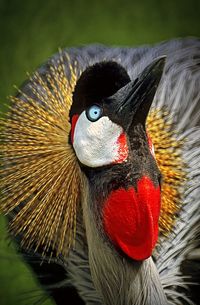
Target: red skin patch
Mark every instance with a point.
(123, 149)
(74, 121)
(131, 218)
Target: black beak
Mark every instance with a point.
(132, 102)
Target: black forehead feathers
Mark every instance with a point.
(97, 82)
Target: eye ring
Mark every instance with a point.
(94, 113)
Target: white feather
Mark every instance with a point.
(96, 143)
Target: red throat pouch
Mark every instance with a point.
(131, 218)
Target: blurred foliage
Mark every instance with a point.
(31, 31)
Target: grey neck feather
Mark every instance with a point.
(118, 280)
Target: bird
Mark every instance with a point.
(100, 168)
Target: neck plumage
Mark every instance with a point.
(119, 280)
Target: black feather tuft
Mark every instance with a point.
(97, 82)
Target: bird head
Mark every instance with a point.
(109, 137)
(107, 108)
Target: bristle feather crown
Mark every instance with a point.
(40, 176)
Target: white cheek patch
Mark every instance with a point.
(97, 143)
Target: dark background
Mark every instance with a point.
(31, 31)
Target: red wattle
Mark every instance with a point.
(131, 218)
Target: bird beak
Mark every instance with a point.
(133, 101)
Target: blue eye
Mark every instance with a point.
(94, 113)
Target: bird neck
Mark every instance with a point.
(118, 279)
(125, 202)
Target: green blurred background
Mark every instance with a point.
(31, 31)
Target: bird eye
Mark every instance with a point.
(94, 113)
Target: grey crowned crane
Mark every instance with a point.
(100, 169)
